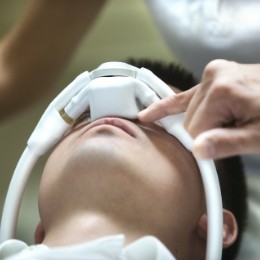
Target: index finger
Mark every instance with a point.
(171, 105)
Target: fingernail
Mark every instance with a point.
(141, 114)
(203, 149)
(144, 116)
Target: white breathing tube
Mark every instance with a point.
(119, 96)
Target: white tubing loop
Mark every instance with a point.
(69, 92)
(114, 69)
(174, 126)
(145, 94)
(78, 92)
(214, 209)
(47, 132)
(160, 87)
(51, 127)
(78, 104)
(15, 194)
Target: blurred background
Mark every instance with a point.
(131, 34)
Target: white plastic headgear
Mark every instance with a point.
(122, 95)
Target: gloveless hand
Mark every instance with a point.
(223, 110)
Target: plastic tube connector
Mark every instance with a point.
(47, 133)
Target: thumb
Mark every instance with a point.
(224, 142)
(168, 106)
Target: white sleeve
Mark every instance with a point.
(10, 248)
(200, 31)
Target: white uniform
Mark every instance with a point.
(107, 248)
(198, 31)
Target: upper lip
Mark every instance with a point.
(117, 122)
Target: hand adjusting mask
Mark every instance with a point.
(113, 89)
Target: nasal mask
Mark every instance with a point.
(113, 89)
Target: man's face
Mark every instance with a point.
(134, 172)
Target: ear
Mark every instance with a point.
(230, 228)
(202, 227)
(39, 233)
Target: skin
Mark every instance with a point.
(37, 49)
(222, 111)
(137, 165)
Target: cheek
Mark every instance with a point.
(54, 168)
(174, 174)
(59, 157)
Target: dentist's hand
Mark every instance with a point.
(223, 111)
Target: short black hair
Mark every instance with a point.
(230, 170)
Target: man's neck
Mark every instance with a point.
(83, 227)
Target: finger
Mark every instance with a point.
(211, 112)
(198, 109)
(225, 142)
(168, 106)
